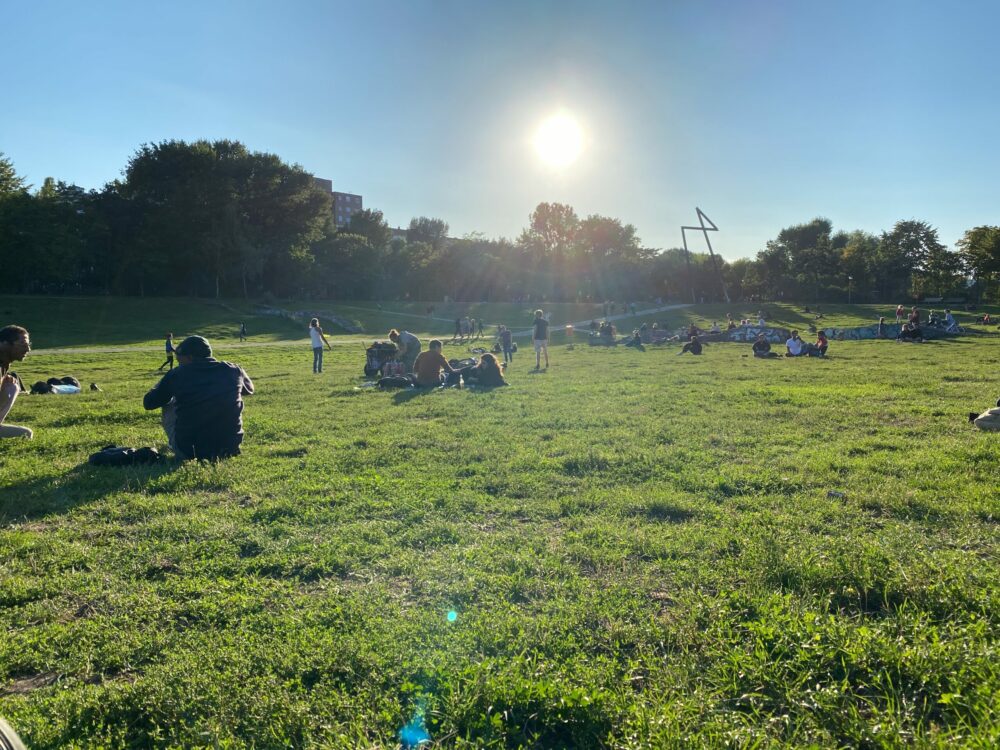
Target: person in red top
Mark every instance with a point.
(428, 366)
(821, 343)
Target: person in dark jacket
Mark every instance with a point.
(486, 372)
(762, 348)
(202, 402)
(693, 346)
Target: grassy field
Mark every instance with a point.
(630, 550)
(130, 321)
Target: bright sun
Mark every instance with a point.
(559, 140)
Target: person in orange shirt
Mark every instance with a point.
(429, 365)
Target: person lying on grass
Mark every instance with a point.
(15, 343)
(202, 402)
(486, 372)
(429, 365)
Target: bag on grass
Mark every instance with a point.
(115, 455)
(989, 420)
(395, 381)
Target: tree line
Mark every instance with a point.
(216, 219)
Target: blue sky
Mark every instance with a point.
(764, 114)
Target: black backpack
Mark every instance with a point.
(114, 455)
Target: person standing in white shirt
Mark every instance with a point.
(318, 339)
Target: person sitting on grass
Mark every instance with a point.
(822, 344)
(950, 324)
(715, 328)
(693, 346)
(762, 347)
(636, 340)
(795, 346)
(428, 367)
(15, 343)
(486, 372)
(910, 333)
(202, 402)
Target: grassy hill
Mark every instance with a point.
(630, 550)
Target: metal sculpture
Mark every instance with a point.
(687, 253)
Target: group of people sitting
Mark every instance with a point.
(431, 370)
(604, 329)
(794, 346)
(744, 322)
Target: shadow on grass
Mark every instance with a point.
(42, 496)
(408, 394)
(949, 341)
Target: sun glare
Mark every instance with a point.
(559, 140)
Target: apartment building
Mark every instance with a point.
(345, 205)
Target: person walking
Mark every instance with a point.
(317, 338)
(243, 331)
(540, 337)
(507, 344)
(169, 346)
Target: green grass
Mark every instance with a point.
(130, 321)
(124, 321)
(640, 548)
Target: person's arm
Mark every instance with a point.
(159, 395)
(446, 365)
(246, 386)
(323, 336)
(8, 392)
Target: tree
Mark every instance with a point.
(432, 231)
(10, 181)
(372, 226)
(980, 250)
(911, 258)
(220, 217)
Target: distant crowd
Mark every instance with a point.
(201, 400)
